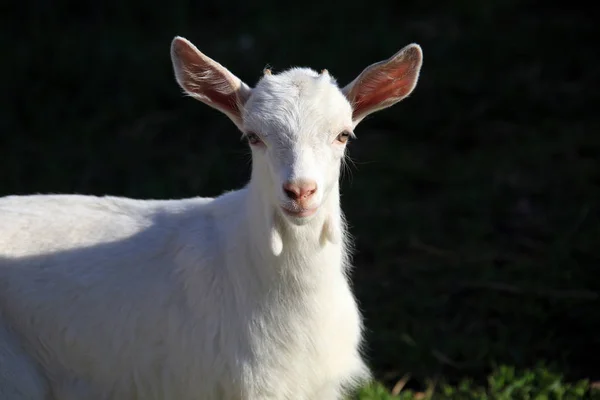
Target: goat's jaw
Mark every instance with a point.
(330, 232)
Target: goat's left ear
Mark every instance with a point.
(208, 81)
(385, 83)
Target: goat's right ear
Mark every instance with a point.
(208, 81)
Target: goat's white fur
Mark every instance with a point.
(225, 298)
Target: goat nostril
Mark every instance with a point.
(290, 193)
(307, 190)
(306, 194)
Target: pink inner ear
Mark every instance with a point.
(384, 85)
(206, 79)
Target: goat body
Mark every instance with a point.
(225, 298)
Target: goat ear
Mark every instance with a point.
(208, 81)
(385, 83)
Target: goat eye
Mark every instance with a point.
(253, 138)
(343, 137)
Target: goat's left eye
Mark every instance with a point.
(343, 137)
(253, 138)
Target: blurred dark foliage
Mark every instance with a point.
(473, 204)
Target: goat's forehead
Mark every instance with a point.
(296, 100)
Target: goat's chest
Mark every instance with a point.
(298, 343)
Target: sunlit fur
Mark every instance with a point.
(225, 299)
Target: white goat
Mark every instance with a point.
(244, 296)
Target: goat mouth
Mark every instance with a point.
(301, 213)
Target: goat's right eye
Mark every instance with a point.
(343, 137)
(253, 138)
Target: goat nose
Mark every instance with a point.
(300, 190)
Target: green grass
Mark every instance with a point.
(504, 383)
(474, 204)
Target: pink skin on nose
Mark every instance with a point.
(301, 193)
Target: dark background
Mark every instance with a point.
(473, 203)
